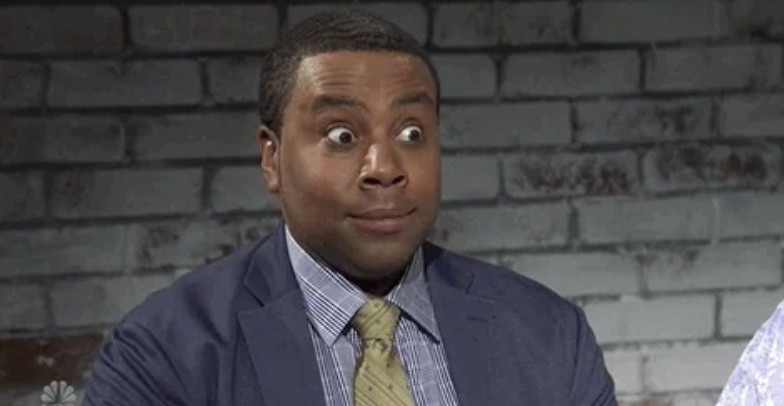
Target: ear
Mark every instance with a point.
(269, 146)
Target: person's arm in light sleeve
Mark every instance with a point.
(758, 379)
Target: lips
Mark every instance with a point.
(384, 221)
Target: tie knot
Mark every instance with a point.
(376, 320)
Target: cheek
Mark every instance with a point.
(314, 182)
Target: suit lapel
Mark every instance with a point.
(476, 333)
(277, 334)
(486, 348)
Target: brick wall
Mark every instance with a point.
(627, 153)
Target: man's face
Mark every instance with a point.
(358, 171)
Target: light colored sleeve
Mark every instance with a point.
(758, 379)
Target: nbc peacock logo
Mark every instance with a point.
(58, 394)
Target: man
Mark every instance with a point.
(758, 379)
(346, 303)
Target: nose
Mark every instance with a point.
(382, 168)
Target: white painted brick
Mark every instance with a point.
(482, 228)
(131, 84)
(579, 274)
(411, 17)
(759, 115)
(694, 399)
(536, 22)
(729, 265)
(204, 27)
(663, 20)
(234, 80)
(701, 398)
(756, 18)
(571, 74)
(632, 400)
(685, 167)
(21, 84)
(180, 243)
(641, 120)
(62, 251)
(483, 24)
(465, 76)
(691, 367)
(241, 189)
(22, 306)
(570, 174)
(203, 135)
(128, 192)
(625, 220)
(95, 301)
(719, 67)
(505, 125)
(744, 214)
(470, 178)
(23, 196)
(742, 314)
(60, 29)
(61, 139)
(466, 24)
(668, 318)
(625, 367)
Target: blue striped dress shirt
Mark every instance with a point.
(331, 301)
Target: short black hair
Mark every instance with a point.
(341, 29)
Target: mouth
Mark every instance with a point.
(382, 221)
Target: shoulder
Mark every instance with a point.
(528, 299)
(170, 343)
(547, 327)
(201, 302)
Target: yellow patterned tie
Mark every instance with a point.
(379, 379)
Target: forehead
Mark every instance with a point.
(359, 71)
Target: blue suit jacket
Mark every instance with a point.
(235, 333)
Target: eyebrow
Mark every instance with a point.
(325, 101)
(416, 98)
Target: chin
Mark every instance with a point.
(386, 263)
(382, 256)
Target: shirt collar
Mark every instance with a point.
(331, 300)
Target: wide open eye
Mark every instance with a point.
(411, 133)
(340, 135)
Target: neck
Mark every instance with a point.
(374, 287)
(378, 287)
